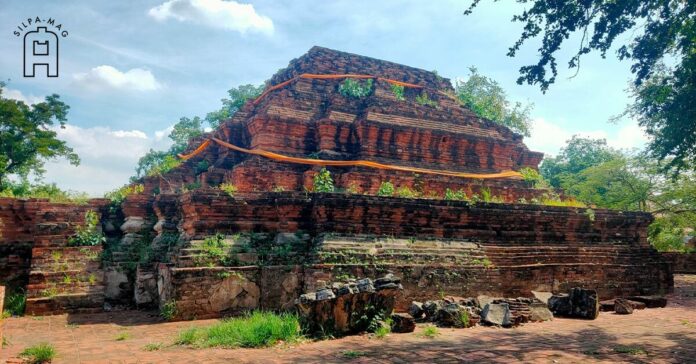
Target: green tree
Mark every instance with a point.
(183, 131)
(579, 154)
(487, 99)
(27, 139)
(238, 96)
(651, 34)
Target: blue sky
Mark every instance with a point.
(131, 69)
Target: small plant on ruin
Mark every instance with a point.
(458, 195)
(49, 292)
(67, 279)
(228, 188)
(463, 319)
(92, 279)
(398, 91)
(385, 189)
(202, 166)
(424, 99)
(213, 249)
(116, 197)
(353, 189)
(153, 347)
(323, 181)
(430, 332)
(486, 195)
(39, 353)
(224, 275)
(533, 178)
(15, 304)
(406, 192)
(88, 234)
(168, 310)
(590, 214)
(278, 189)
(355, 88)
(257, 329)
(191, 186)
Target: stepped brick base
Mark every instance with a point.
(434, 246)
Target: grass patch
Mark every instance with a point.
(430, 332)
(123, 336)
(630, 349)
(258, 329)
(352, 354)
(15, 304)
(39, 353)
(153, 347)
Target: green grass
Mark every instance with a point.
(430, 332)
(382, 332)
(15, 304)
(630, 349)
(352, 354)
(40, 353)
(153, 346)
(123, 336)
(258, 329)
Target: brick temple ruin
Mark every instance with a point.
(281, 240)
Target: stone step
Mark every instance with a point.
(65, 303)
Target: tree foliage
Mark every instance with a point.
(487, 99)
(238, 96)
(27, 137)
(657, 36)
(594, 174)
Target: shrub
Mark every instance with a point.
(355, 88)
(39, 353)
(213, 248)
(458, 195)
(88, 234)
(258, 329)
(119, 195)
(385, 189)
(533, 178)
(398, 91)
(168, 310)
(323, 181)
(123, 336)
(424, 99)
(406, 192)
(15, 304)
(228, 188)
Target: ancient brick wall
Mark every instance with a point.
(684, 263)
(33, 237)
(495, 249)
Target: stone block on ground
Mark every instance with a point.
(348, 313)
(416, 310)
(430, 309)
(579, 302)
(650, 301)
(496, 314)
(402, 323)
(623, 306)
(455, 315)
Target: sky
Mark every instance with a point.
(130, 69)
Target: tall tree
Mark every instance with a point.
(578, 155)
(487, 99)
(658, 36)
(27, 139)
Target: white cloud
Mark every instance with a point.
(550, 138)
(229, 15)
(19, 96)
(108, 77)
(109, 157)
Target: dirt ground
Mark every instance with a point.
(647, 336)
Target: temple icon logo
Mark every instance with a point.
(40, 49)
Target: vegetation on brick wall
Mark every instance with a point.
(88, 234)
(323, 181)
(398, 91)
(355, 88)
(386, 189)
(228, 188)
(424, 99)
